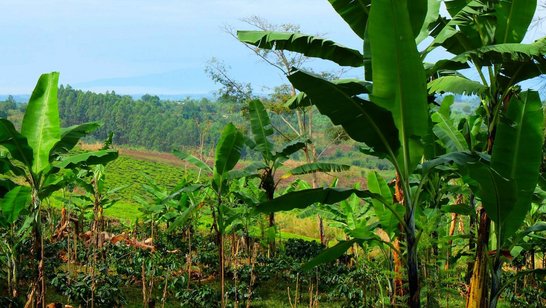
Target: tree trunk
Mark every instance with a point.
(398, 282)
(37, 293)
(12, 265)
(413, 266)
(452, 225)
(272, 246)
(477, 294)
(189, 259)
(496, 281)
(222, 274)
(268, 184)
(471, 242)
(321, 231)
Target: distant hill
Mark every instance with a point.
(148, 121)
(169, 83)
(19, 98)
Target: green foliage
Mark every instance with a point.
(385, 212)
(354, 12)
(358, 287)
(329, 254)
(518, 15)
(204, 296)
(13, 203)
(399, 85)
(302, 250)
(192, 159)
(456, 85)
(391, 116)
(78, 289)
(517, 155)
(153, 124)
(316, 167)
(444, 129)
(228, 150)
(362, 120)
(134, 172)
(261, 129)
(70, 136)
(87, 158)
(307, 45)
(304, 198)
(41, 125)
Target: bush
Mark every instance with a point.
(107, 293)
(356, 288)
(204, 296)
(302, 250)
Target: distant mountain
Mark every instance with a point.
(172, 83)
(20, 98)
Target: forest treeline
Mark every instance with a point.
(147, 122)
(152, 123)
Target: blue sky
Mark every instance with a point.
(143, 46)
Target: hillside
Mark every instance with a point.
(135, 168)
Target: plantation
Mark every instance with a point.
(386, 190)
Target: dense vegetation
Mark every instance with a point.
(154, 124)
(147, 122)
(458, 219)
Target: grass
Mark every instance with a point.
(124, 211)
(135, 172)
(307, 228)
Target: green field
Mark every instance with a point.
(139, 168)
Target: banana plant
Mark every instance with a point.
(249, 193)
(487, 37)
(13, 205)
(156, 208)
(38, 154)
(395, 119)
(505, 182)
(227, 154)
(272, 159)
(357, 221)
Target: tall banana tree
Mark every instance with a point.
(395, 119)
(487, 37)
(228, 153)
(38, 154)
(273, 159)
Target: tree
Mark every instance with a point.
(471, 34)
(232, 90)
(38, 154)
(396, 119)
(488, 37)
(228, 153)
(286, 60)
(272, 160)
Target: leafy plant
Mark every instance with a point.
(487, 37)
(395, 122)
(203, 296)
(38, 154)
(396, 119)
(79, 289)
